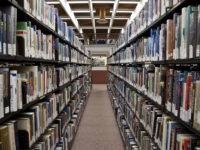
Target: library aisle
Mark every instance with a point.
(98, 128)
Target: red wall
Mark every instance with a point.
(99, 76)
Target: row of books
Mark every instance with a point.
(150, 11)
(49, 15)
(31, 42)
(62, 144)
(78, 70)
(66, 131)
(128, 138)
(71, 128)
(8, 20)
(20, 86)
(24, 131)
(54, 136)
(34, 122)
(41, 10)
(135, 141)
(77, 57)
(82, 59)
(174, 88)
(26, 39)
(78, 105)
(177, 39)
(148, 120)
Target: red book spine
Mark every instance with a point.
(187, 92)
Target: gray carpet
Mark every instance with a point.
(98, 128)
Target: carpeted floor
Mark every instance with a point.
(98, 128)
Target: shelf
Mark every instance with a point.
(50, 124)
(71, 142)
(136, 118)
(26, 106)
(163, 109)
(162, 19)
(166, 62)
(129, 128)
(7, 59)
(45, 28)
(63, 133)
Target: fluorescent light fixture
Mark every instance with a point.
(68, 10)
(77, 2)
(125, 18)
(106, 27)
(129, 2)
(88, 18)
(82, 11)
(92, 16)
(103, 2)
(115, 8)
(123, 11)
(83, 18)
(53, 3)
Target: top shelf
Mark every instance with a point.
(157, 22)
(41, 25)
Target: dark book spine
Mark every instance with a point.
(16, 135)
(23, 139)
(4, 33)
(8, 33)
(7, 92)
(24, 92)
(1, 32)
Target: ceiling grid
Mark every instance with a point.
(84, 16)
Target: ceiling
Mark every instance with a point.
(83, 16)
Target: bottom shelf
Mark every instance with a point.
(77, 122)
(127, 137)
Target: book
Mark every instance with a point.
(1, 31)
(169, 39)
(183, 33)
(198, 34)
(4, 137)
(11, 19)
(1, 95)
(193, 16)
(196, 107)
(24, 131)
(22, 38)
(6, 89)
(11, 135)
(13, 90)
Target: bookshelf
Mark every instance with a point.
(163, 18)
(59, 98)
(132, 70)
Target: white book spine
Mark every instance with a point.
(183, 40)
(13, 90)
(1, 96)
(19, 92)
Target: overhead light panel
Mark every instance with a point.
(123, 11)
(53, 2)
(103, 2)
(82, 11)
(129, 2)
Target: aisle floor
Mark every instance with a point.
(98, 128)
